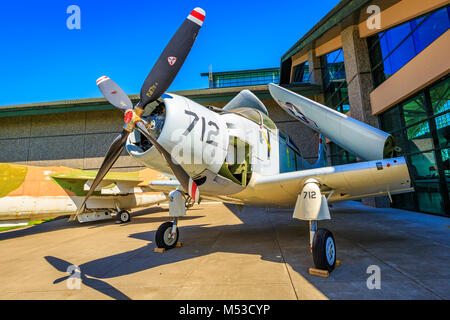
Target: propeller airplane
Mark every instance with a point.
(238, 155)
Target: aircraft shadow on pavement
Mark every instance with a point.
(251, 237)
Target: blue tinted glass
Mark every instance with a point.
(393, 37)
(431, 29)
(335, 65)
(335, 56)
(404, 53)
(397, 46)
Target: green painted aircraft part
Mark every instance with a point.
(74, 180)
(12, 176)
(75, 186)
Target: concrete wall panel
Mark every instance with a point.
(14, 150)
(104, 121)
(56, 148)
(58, 124)
(15, 127)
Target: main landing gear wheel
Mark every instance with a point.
(164, 237)
(123, 216)
(324, 250)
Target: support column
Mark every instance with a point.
(315, 68)
(359, 82)
(358, 75)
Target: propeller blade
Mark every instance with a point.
(114, 94)
(189, 185)
(172, 58)
(110, 158)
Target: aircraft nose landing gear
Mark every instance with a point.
(166, 236)
(312, 206)
(323, 247)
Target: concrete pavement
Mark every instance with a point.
(227, 254)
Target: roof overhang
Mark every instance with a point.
(334, 17)
(202, 96)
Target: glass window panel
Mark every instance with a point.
(417, 143)
(301, 73)
(335, 56)
(404, 53)
(419, 137)
(404, 201)
(390, 120)
(440, 96)
(423, 166)
(429, 197)
(345, 108)
(414, 110)
(443, 129)
(399, 138)
(335, 85)
(393, 37)
(391, 50)
(445, 153)
(431, 29)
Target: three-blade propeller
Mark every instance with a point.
(157, 82)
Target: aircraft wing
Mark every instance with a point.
(114, 183)
(345, 182)
(359, 138)
(90, 175)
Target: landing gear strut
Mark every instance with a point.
(312, 206)
(167, 234)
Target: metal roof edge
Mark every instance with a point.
(342, 10)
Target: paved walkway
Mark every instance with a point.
(228, 254)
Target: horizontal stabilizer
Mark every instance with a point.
(246, 99)
(359, 138)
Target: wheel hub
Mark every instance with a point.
(169, 237)
(330, 250)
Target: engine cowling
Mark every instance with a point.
(195, 136)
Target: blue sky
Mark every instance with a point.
(42, 60)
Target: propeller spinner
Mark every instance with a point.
(157, 82)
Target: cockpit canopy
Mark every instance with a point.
(255, 116)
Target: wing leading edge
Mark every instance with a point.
(359, 138)
(345, 182)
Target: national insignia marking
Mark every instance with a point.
(172, 60)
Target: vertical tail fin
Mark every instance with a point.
(322, 156)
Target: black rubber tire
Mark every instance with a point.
(121, 219)
(160, 239)
(319, 250)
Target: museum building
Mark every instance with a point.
(387, 63)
